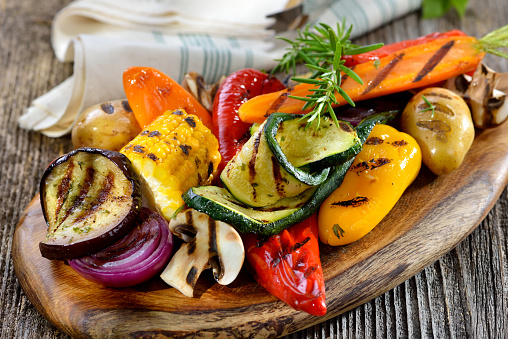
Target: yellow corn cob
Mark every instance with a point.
(172, 154)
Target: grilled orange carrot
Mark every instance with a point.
(151, 93)
(409, 68)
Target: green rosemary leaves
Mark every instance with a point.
(321, 49)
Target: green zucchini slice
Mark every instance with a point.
(219, 204)
(302, 150)
(256, 178)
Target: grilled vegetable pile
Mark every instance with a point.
(269, 171)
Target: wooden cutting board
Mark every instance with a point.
(432, 217)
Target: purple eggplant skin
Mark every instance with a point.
(95, 212)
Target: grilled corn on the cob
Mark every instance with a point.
(172, 154)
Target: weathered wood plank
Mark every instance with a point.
(473, 281)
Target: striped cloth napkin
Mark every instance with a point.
(213, 38)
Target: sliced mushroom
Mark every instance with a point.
(208, 243)
(203, 92)
(488, 105)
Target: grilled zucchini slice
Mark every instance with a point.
(219, 204)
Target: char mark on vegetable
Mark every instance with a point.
(274, 107)
(152, 156)
(309, 271)
(356, 202)
(212, 239)
(400, 143)
(378, 162)
(190, 121)
(104, 194)
(185, 149)
(63, 189)
(108, 108)
(345, 127)
(383, 73)
(191, 277)
(434, 60)
(298, 245)
(438, 108)
(371, 164)
(252, 160)
(126, 106)
(374, 141)
(78, 201)
(277, 176)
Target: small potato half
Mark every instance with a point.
(444, 134)
(110, 125)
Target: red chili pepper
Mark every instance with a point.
(238, 87)
(288, 265)
(386, 50)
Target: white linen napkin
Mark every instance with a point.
(214, 38)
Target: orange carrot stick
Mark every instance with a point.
(409, 68)
(150, 93)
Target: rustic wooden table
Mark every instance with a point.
(463, 294)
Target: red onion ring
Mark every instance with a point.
(134, 259)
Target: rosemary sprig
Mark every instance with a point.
(430, 107)
(321, 49)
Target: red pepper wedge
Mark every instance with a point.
(386, 50)
(288, 265)
(237, 88)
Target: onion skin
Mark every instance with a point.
(132, 260)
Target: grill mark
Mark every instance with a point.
(371, 164)
(297, 246)
(277, 176)
(103, 196)
(309, 271)
(78, 201)
(252, 163)
(108, 108)
(274, 107)
(383, 73)
(282, 255)
(212, 237)
(379, 162)
(434, 60)
(126, 106)
(355, 202)
(400, 143)
(63, 189)
(191, 276)
(374, 141)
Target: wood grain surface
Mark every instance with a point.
(431, 218)
(461, 292)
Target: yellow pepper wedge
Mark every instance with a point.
(388, 163)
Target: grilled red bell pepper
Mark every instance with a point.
(288, 265)
(238, 87)
(386, 50)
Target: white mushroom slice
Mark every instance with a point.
(208, 243)
(488, 106)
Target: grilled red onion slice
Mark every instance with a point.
(134, 259)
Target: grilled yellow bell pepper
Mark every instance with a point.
(388, 163)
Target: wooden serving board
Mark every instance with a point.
(432, 217)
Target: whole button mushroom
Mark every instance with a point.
(110, 125)
(441, 123)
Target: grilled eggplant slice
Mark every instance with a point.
(90, 198)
